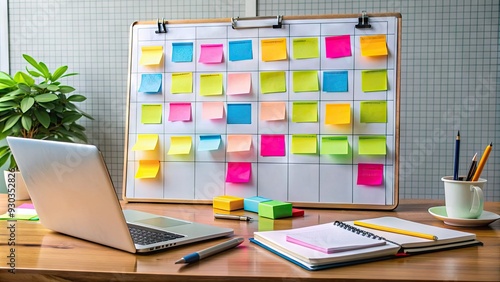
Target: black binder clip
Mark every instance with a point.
(363, 21)
(162, 28)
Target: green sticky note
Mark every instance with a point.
(305, 111)
(334, 145)
(275, 209)
(305, 81)
(305, 48)
(151, 113)
(304, 144)
(372, 145)
(211, 84)
(272, 82)
(373, 111)
(182, 83)
(373, 80)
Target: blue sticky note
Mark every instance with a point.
(240, 50)
(150, 83)
(239, 113)
(335, 81)
(209, 143)
(182, 52)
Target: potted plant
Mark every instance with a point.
(40, 110)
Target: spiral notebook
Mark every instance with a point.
(393, 244)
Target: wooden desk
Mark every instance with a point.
(43, 255)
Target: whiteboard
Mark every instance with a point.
(280, 138)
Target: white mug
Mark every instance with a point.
(463, 199)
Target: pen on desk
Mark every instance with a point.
(396, 230)
(230, 216)
(482, 162)
(196, 256)
(472, 168)
(457, 156)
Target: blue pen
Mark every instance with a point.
(196, 256)
(457, 155)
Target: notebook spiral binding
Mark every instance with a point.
(357, 230)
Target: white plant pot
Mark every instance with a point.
(16, 181)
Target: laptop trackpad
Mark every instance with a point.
(162, 222)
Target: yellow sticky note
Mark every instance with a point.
(151, 55)
(145, 142)
(334, 145)
(211, 84)
(305, 48)
(180, 145)
(372, 145)
(305, 81)
(272, 82)
(148, 169)
(305, 111)
(182, 82)
(304, 144)
(373, 112)
(338, 114)
(273, 49)
(373, 80)
(151, 113)
(272, 111)
(239, 143)
(373, 45)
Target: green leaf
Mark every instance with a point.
(26, 122)
(70, 118)
(58, 72)
(53, 87)
(34, 73)
(48, 106)
(11, 122)
(43, 98)
(43, 69)
(43, 117)
(24, 88)
(21, 77)
(77, 98)
(66, 89)
(7, 98)
(4, 159)
(27, 103)
(69, 74)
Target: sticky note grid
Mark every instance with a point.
(304, 114)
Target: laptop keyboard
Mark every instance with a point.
(146, 236)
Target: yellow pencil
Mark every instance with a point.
(396, 230)
(482, 162)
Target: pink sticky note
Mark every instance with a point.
(180, 112)
(239, 83)
(238, 172)
(212, 110)
(211, 54)
(27, 206)
(338, 46)
(370, 174)
(272, 145)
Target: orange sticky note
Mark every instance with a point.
(273, 49)
(272, 111)
(373, 45)
(338, 114)
(239, 83)
(239, 143)
(212, 110)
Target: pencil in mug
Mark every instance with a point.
(482, 162)
(396, 230)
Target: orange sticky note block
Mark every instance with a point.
(272, 111)
(239, 143)
(151, 55)
(228, 203)
(273, 49)
(338, 114)
(373, 45)
(148, 169)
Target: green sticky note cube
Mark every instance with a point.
(275, 209)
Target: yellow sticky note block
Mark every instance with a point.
(272, 82)
(148, 169)
(373, 80)
(180, 145)
(239, 143)
(182, 82)
(151, 55)
(151, 113)
(372, 145)
(304, 144)
(273, 49)
(373, 112)
(228, 203)
(373, 45)
(338, 114)
(305, 48)
(334, 145)
(272, 111)
(305, 111)
(305, 81)
(145, 142)
(211, 84)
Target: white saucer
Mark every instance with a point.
(484, 219)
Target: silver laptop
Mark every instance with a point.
(72, 192)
